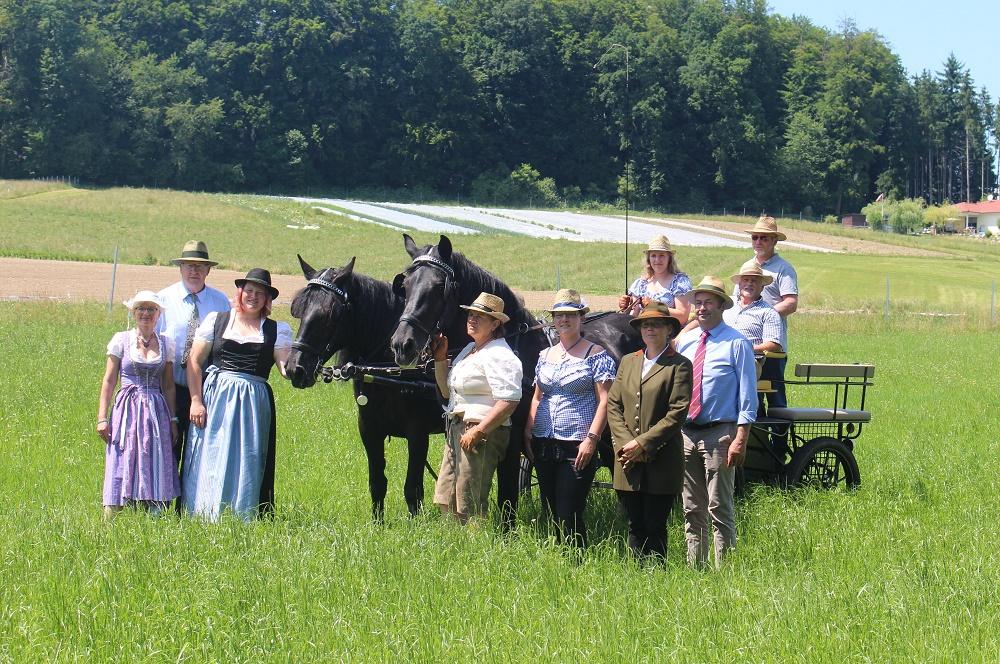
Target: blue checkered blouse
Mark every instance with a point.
(569, 402)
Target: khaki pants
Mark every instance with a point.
(465, 478)
(708, 491)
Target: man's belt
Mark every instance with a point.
(707, 425)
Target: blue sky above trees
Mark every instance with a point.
(921, 32)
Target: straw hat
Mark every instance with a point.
(751, 269)
(488, 304)
(260, 276)
(714, 286)
(659, 243)
(766, 226)
(194, 251)
(658, 311)
(144, 297)
(568, 301)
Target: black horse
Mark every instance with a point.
(437, 282)
(342, 311)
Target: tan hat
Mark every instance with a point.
(144, 297)
(488, 304)
(766, 226)
(657, 311)
(714, 286)
(568, 301)
(194, 251)
(659, 243)
(751, 269)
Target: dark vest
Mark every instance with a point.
(249, 358)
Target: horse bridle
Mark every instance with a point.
(328, 351)
(450, 293)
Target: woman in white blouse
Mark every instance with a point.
(229, 459)
(483, 387)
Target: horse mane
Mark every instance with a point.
(474, 280)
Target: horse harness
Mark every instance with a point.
(328, 351)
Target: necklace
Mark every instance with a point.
(567, 350)
(144, 341)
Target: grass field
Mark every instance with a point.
(901, 570)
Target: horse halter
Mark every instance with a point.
(450, 293)
(328, 351)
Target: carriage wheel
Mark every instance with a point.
(824, 462)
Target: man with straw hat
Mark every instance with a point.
(723, 406)
(185, 305)
(751, 315)
(782, 294)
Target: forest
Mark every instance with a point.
(686, 103)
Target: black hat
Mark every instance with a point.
(259, 275)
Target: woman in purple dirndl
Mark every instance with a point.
(139, 466)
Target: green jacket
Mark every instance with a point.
(651, 410)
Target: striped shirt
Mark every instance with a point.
(757, 321)
(569, 399)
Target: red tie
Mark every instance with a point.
(699, 366)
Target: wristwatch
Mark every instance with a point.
(593, 436)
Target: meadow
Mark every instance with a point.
(148, 226)
(902, 569)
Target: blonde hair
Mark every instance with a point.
(647, 270)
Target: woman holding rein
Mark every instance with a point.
(567, 416)
(661, 281)
(647, 406)
(483, 387)
(229, 458)
(139, 466)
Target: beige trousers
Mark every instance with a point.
(708, 492)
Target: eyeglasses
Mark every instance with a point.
(755, 238)
(146, 310)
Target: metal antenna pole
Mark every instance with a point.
(628, 131)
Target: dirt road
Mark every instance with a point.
(71, 281)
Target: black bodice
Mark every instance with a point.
(249, 358)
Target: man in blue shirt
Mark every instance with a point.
(723, 406)
(185, 305)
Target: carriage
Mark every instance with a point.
(812, 446)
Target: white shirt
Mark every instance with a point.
(126, 340)
(478, 379)
(206, 332)
(177, 308)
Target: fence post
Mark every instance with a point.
(558, 287)
(885, 310)
(114, 273)
(993, 303)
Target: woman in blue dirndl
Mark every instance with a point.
(229, 459)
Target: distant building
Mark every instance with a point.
(980, 216)
(854, 221)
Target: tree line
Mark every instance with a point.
(688, 103)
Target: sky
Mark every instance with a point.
(921, 32)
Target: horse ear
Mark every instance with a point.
(444, 248)
(349, 268)
(307, 270)
(411, 247)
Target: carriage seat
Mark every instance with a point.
(820, 414)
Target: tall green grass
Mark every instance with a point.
(903, 569)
